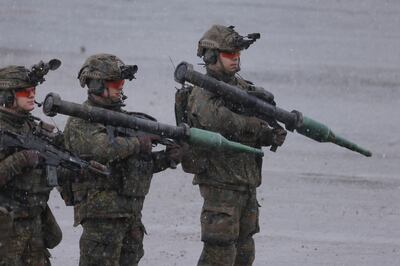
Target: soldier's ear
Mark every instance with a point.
(96, 86)
(210, 56)
(7, 98)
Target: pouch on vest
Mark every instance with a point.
(181, 103)
(52, 233)
(65, 189)
(136, 176)
(6, 228)
(191, 162)
(194, 161)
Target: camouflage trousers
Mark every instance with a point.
(25, 244)
(229, 219)
(111, 242)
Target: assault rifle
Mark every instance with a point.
(53, 156)
(53, 104)
(293, 120)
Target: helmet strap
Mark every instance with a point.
(96, 86)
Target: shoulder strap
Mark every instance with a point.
(181, 103)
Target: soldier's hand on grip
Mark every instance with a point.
(263, 130)
(98, 168)
(146, 142)
(278, 136)
(254, 124)
(95, 169)
(175, 153)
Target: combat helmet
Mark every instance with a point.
(224, 39)
(14, 78)
(104, 67)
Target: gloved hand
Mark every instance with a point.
(253, 124)
(98, 168)
(262, 94)
(175, 153)
(146, 142)
(278, 136)
(95, 169)
(32, 158)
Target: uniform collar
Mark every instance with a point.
(14, 118)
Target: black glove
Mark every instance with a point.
(262, 94)
(32, 158)
(146, 142)
(278, 136)
(175, 153)
(253, 124)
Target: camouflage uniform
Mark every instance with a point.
(227, 180)
(109, 209)
(27, 226)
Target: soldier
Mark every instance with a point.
(227, 180)
(27, 226)
(109, 210)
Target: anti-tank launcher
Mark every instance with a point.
(293, 120)
(53, 104)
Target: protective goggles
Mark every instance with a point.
(233, 55)
(25, 92)
(115, 84)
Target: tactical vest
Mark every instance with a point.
(135, 172)
(29, 189)
(225, 169)
(195, 160)
(118, 195)
(181, 103)
(130, 176)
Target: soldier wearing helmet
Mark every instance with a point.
(227, 181)
(220, 49)
(109, 210)
(27, 226)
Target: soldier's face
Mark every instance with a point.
(230, 61)
(25, 99)
(114, 90)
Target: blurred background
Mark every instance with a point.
(335, 61)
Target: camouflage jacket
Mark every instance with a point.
(131, 172)
(226, 169)
(21, 189)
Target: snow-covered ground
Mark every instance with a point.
(336, 61)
